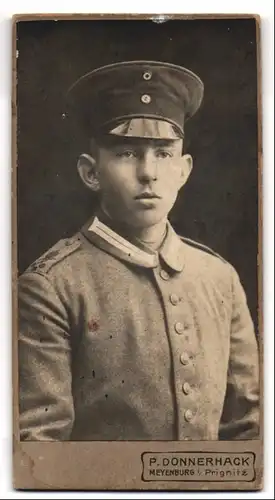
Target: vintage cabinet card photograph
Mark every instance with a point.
(137, 252)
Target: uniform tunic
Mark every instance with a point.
(119, 343)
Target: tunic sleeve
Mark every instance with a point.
(45, 396)
(240, 418)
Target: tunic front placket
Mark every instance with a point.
(182, 340)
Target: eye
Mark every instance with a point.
(126, 154)
(164, 154)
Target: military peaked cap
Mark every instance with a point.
(136, 98)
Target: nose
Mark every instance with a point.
(147, 168)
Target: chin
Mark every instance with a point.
(147, 219)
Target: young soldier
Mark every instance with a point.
(128, 331)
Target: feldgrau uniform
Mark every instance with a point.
(119, 342)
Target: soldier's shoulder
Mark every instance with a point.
(200, 247)
(59, 252)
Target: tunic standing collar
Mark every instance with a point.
(105, 237)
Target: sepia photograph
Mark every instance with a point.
(138, 239)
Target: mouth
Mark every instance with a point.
(147, 196)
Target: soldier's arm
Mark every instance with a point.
(240, 419)
(46, 404)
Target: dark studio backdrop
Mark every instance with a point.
(219, 204)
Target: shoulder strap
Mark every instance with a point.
(54, 255)
(202, 247)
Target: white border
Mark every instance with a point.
(265, 8)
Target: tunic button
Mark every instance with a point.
(179, 327)
(184, 358)
(174, 299)
(164, 275)
(188, 415)
(186, 388)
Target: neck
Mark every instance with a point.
(151, 237)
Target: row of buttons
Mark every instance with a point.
(180, 328)
(174, 298)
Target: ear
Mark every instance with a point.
(87, 170)
(186, 168)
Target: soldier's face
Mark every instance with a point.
(140, 179)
